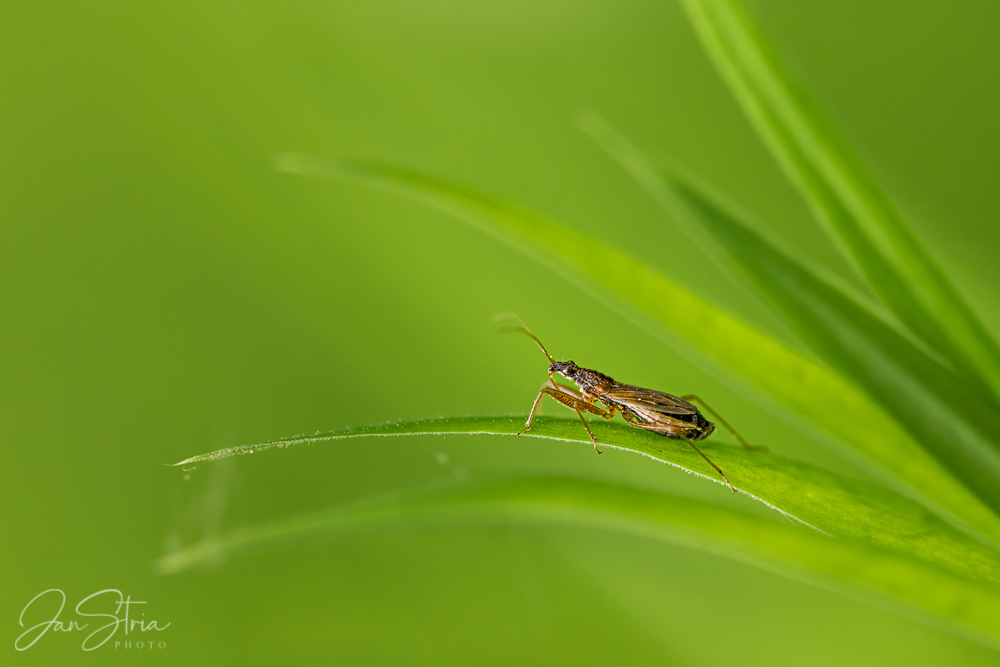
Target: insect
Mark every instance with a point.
(648, 409)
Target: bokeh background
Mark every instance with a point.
(165, 292)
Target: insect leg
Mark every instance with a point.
(662, 430)
(534, 406)
(571, 399)
(576, 400)
(567, 396)
(711, 464)
(587, 426)
(718, 417)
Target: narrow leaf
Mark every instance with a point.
(842, 194)
(965, 605)
(825, 501)
(955, 424)
(723, 343)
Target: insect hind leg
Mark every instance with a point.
(658, 428)
(717, 469)
(739, 438)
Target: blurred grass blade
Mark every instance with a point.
(955, 424)
(960, 601)
(813, 394)
(836, 185)
(828, 502)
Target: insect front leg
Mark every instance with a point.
(725, 424)
(571, 399)
(587, 426)
(534, 406)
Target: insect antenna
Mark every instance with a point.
(524, 329)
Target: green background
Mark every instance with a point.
(165, 292)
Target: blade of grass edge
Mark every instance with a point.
(830, 503)
(842, 194)
(906, 585)
(927, 399)
(810, 396)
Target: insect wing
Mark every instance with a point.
(643, 400)
(659, 421)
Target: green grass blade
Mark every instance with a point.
(812, 392)
(939, 410)
(828, 502)
(843, 195)
(959, 601)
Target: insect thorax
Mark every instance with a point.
(588, 380)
